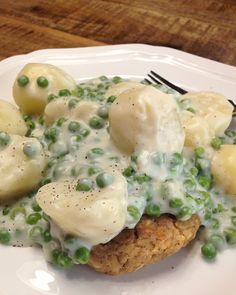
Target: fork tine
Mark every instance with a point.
(169, 84)
(146, 80)
(154, 79)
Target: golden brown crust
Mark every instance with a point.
(150, 241)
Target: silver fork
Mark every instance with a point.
(156, 78)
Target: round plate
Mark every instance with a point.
(24, 271)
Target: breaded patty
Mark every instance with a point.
(150, 241)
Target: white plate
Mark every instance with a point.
(23, 270)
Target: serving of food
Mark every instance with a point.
(112, 172)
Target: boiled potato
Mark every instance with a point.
(117, 89)
(146, 119)
(22, 162)
(197, 130)
(84, 110)
(223, 167)
(214, 108)
(32, 98)
(11, 120)
(58, 108)
(96, 216)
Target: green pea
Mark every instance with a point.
(153, 210)
(61, 258)
(74, 126)
(64, 261)
(103, 78)
(42, 82)
(216, 143)
(36, 233)
(6, 210)
(17, 210)
(190, 184)
(30, 124)
(209, 251)
(158, 158)
(41, 120)
(116, 79)
(84, 185)
(192, 110)
(129, 171)
(233, 209)
(80, 91)
(205, 181)
(33, 218)
(84, 132)
(111, 99)
(95, 152)
(77, 138)
(230, 133)
(69, 239)
(94, 170)
(96, 122)
(208, 215)
(115, 159)
(4, 139)
(51, 134)
(23, 80)
(72, 103)
(30, 149)
(233, 220)
(64, 92)
(205, 195)
(176, 159)
(217, 241)
(230, 236)
(82, 255)
(134, 157)
(104, 179)
(51, 162)
(184, 213)
(46, 236)
(61, 121)
(134, 212)
(100, 85)
(45, 181)
(51, 97)
(142, 178)
(35, 207)
(194, 171)
(176, 203)
(219, 209)
(199, 152)
(215, 224)
(103, 112)
(5, 236)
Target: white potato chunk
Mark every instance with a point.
(22, 163)
(223, 167)
(146, 119)
(197, 130)
(58, 108)
(32, 98)
(118, 88)
(96, 216)
(214, 108)
(11, 120)
(84, 110)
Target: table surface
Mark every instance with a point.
(203, 27)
